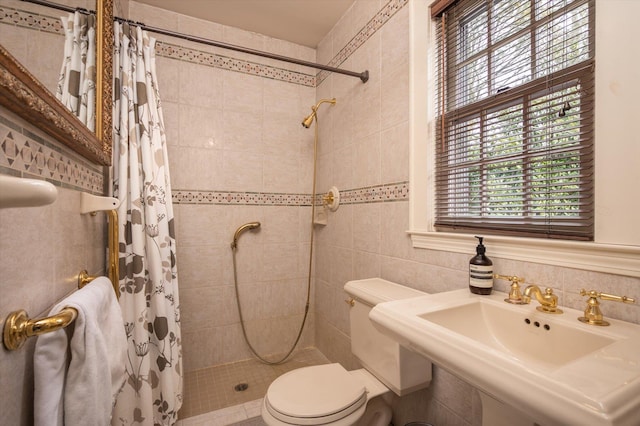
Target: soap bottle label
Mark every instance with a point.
(481, 276)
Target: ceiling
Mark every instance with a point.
(304, 22)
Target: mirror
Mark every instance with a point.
(26, 96)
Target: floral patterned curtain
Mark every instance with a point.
(152, 394)
(76, 87)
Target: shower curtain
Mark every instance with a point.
(76, 87)
(152, 394)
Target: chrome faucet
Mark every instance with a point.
(548, 301)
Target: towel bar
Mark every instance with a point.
(18, 327)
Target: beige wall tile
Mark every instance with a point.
(394, 153)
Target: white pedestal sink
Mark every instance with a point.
(530, 367)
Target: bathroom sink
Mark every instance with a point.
(530, 340)
(552, 369)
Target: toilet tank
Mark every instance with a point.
(398, 368)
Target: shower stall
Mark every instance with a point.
(240, 157)
(226, 174)
(306, 123)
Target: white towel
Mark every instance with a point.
(76, 382)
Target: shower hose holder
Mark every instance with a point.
(332, 199)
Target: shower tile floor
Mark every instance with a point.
(210, 397)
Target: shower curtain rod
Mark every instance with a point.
(69, 9)
(363, 76)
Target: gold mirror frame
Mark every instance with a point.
(24, 95)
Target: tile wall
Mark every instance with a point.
(42, 249)
(365, 142)
(33, 34)
(239, 154)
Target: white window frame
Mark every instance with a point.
(616, 246)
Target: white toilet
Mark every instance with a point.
(329, 394)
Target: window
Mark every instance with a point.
(515, 117)
(616, 245)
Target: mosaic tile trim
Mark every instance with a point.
(31, 20)
(200, 57)
(374, 25)
(25, 154)
(371, 194)
(182, 196)
(376, 194)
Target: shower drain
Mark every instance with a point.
(241, 387)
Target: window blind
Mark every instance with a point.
(515, 152)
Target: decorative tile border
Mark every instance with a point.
(182, 196)
(200, 57)
(376, 194)
(25, 154)
(371, 194)
(363, 35)
(31, 20)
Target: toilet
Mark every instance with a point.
(329, 394)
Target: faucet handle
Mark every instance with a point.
(593, 313)
(515, 296)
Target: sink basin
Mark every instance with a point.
(530, 340)
(553, 369)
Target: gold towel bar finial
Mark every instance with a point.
(18, 327)
(84, 278)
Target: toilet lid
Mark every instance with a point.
(315, 392)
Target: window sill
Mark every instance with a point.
(608, 258)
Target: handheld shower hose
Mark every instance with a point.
(254, 225)
(246, 227)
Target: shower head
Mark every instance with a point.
(306, 123)
(308, 120)
(246, 227)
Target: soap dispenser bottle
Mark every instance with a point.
(480, 271)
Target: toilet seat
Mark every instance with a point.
(315, 395)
